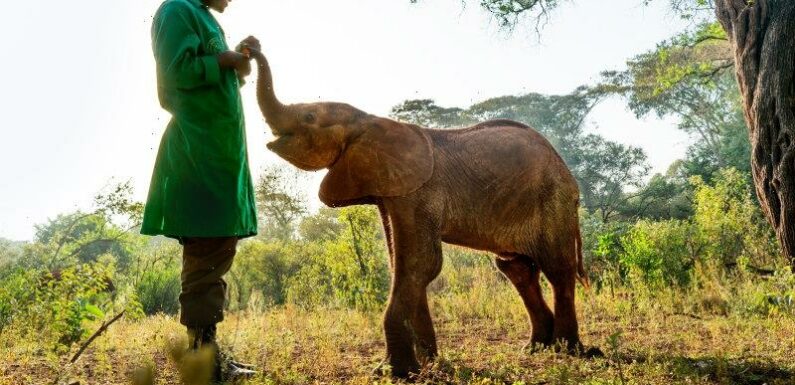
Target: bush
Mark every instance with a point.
(158, 291)
(15, 294)
(726, 231)
(349, 271)
(463, 269)
(263, 268)
(662, 253)
(602, 248)
(55, 307)
(340, 262)
(729, 223)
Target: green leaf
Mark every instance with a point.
(93, 310)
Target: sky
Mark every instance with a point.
(79, 109)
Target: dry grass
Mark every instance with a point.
(668, 338)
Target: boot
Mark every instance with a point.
(224, 367)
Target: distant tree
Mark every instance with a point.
(82, 237)
(559, 118)
(664, 196)
(608, 173)
(10, 251)
(426, 113)
(690, 78)
(323, 226)
(732, 150)
(280, 203)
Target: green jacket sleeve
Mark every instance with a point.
(177, 49)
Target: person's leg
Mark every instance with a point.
(204, 262)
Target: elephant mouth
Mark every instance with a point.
(271, 145)
(277, 147)
(278, 141)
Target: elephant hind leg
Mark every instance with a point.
(566, 327)
(524, 274)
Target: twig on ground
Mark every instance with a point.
(690, 315)
(94, 336)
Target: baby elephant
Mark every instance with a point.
(498, 186)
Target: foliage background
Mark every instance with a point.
(688, 283)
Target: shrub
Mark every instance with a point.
(263, 268)
(662, 253)
(730, 223)
(462, 269)
(349, 271)
(158, 291)
(55, 307)
(727, 230)
(15, 293)
(601, 246)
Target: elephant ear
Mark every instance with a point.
(388, 159)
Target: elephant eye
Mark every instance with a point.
(309, 118)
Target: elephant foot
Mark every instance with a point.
(397, 369)
(578, 350)
(592, 352)
(381, 369)
(426, 357)
(406, 372)
(534, 346)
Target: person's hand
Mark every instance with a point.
(249, 43)
(237, 61)
(231, 59)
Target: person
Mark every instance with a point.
(201, 191)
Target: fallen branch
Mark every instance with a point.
(685, 314)
(753, 269)
(94, 336)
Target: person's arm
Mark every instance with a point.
(176, 47)
(237, 61)
(234, 60)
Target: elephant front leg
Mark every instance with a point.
(417, 261)
(408, 324)
(424, 335)
(399, 331)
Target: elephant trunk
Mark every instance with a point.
(270, 106)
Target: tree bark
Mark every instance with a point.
(762, 33)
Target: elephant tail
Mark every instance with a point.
(582, 276)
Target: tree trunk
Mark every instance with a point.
(762, 33)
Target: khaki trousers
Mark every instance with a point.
(204, 262)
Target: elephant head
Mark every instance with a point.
(367, 156)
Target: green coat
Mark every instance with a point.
(201, 184)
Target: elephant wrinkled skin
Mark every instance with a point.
(498, 186)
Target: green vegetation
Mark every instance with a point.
(688, 283)
(702, 299)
